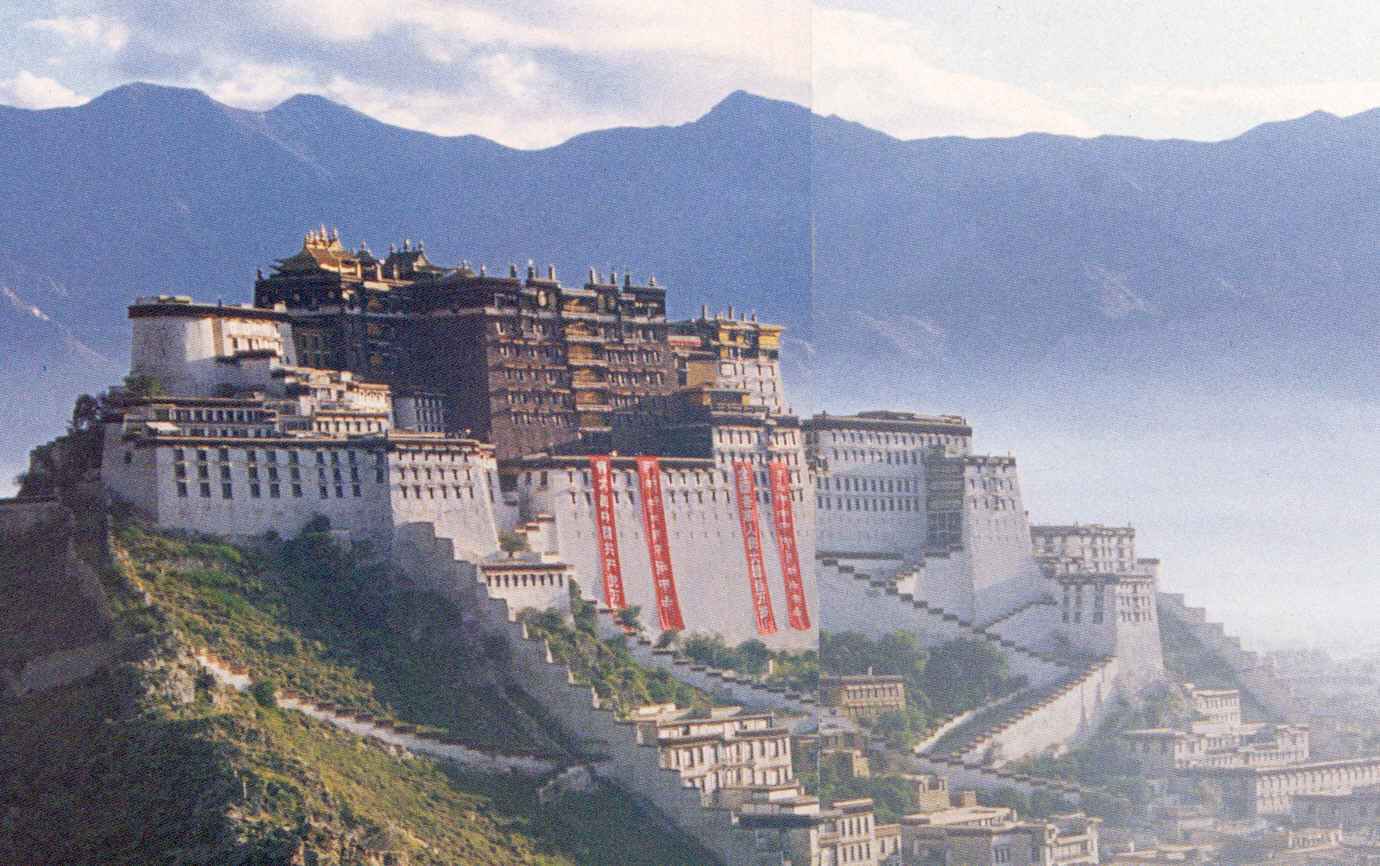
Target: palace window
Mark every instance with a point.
(297, 490)
(274, 491)
(182, 489)
(226, 492)
(205, 490)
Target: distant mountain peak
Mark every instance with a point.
(311, 102)
(741, 103)
(145, 92)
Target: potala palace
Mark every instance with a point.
(504, 437)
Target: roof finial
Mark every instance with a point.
(483, 269)
(512, 270)
(627, 279)
(551, 273)
(651, 281)
(593, 276)
(531, 270)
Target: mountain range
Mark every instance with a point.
(1065, 276)
(969, 258)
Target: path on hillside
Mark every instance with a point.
(402, 735)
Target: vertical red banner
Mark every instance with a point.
(783, 518)
(606, 528)
(658, 544)
(745, 486)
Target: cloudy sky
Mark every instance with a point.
(531, 74)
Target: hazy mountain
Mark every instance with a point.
(1011, 263)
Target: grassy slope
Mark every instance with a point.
(341, 638)
(128, 767)
(235, 782)
(606, 664)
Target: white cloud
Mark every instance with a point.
(878, 71)
(1181, 103)
(771, 33)
(509, 99)
(26, 90)
(89, 31)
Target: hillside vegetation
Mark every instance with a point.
(150, 762)
(940, 681)
(308, 615)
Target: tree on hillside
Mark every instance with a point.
(85, 414)
(965, 673)
(143, 386)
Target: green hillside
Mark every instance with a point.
(149, 762)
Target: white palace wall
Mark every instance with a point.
(366, 487)
(996, 538)
(186, 352)
(706, 543)
(622, 755)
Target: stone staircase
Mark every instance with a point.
(399, 734)
(1047, 601)
(1256, 679)
(614, 746)
(945, 625)
(1062, 702)
(971, 741)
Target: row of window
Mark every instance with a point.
(853, 484)
(857, 437)
(891, 458)
(845, 503)
(275, 490)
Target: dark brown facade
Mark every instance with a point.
(525, 363)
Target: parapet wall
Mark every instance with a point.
(725, 685)
(1064, 718)
(623, 758)
(1032, 625)
(849, 601)
(20, 516)
(991, 780)
(1253, 675)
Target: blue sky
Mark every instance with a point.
(532, 74)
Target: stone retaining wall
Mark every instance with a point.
(1068, 716)
(384, 730)
(623, 757)
(1256, 678)
(851, 601)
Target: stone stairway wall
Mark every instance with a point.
(614, 745)
(969, 775)
(1056, 718)
(1255, 677)
(851, 600)
(398, 734)
(1031, 625)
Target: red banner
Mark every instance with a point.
(658, 544)
(606, 529)
(745, 485)
(783, 518)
